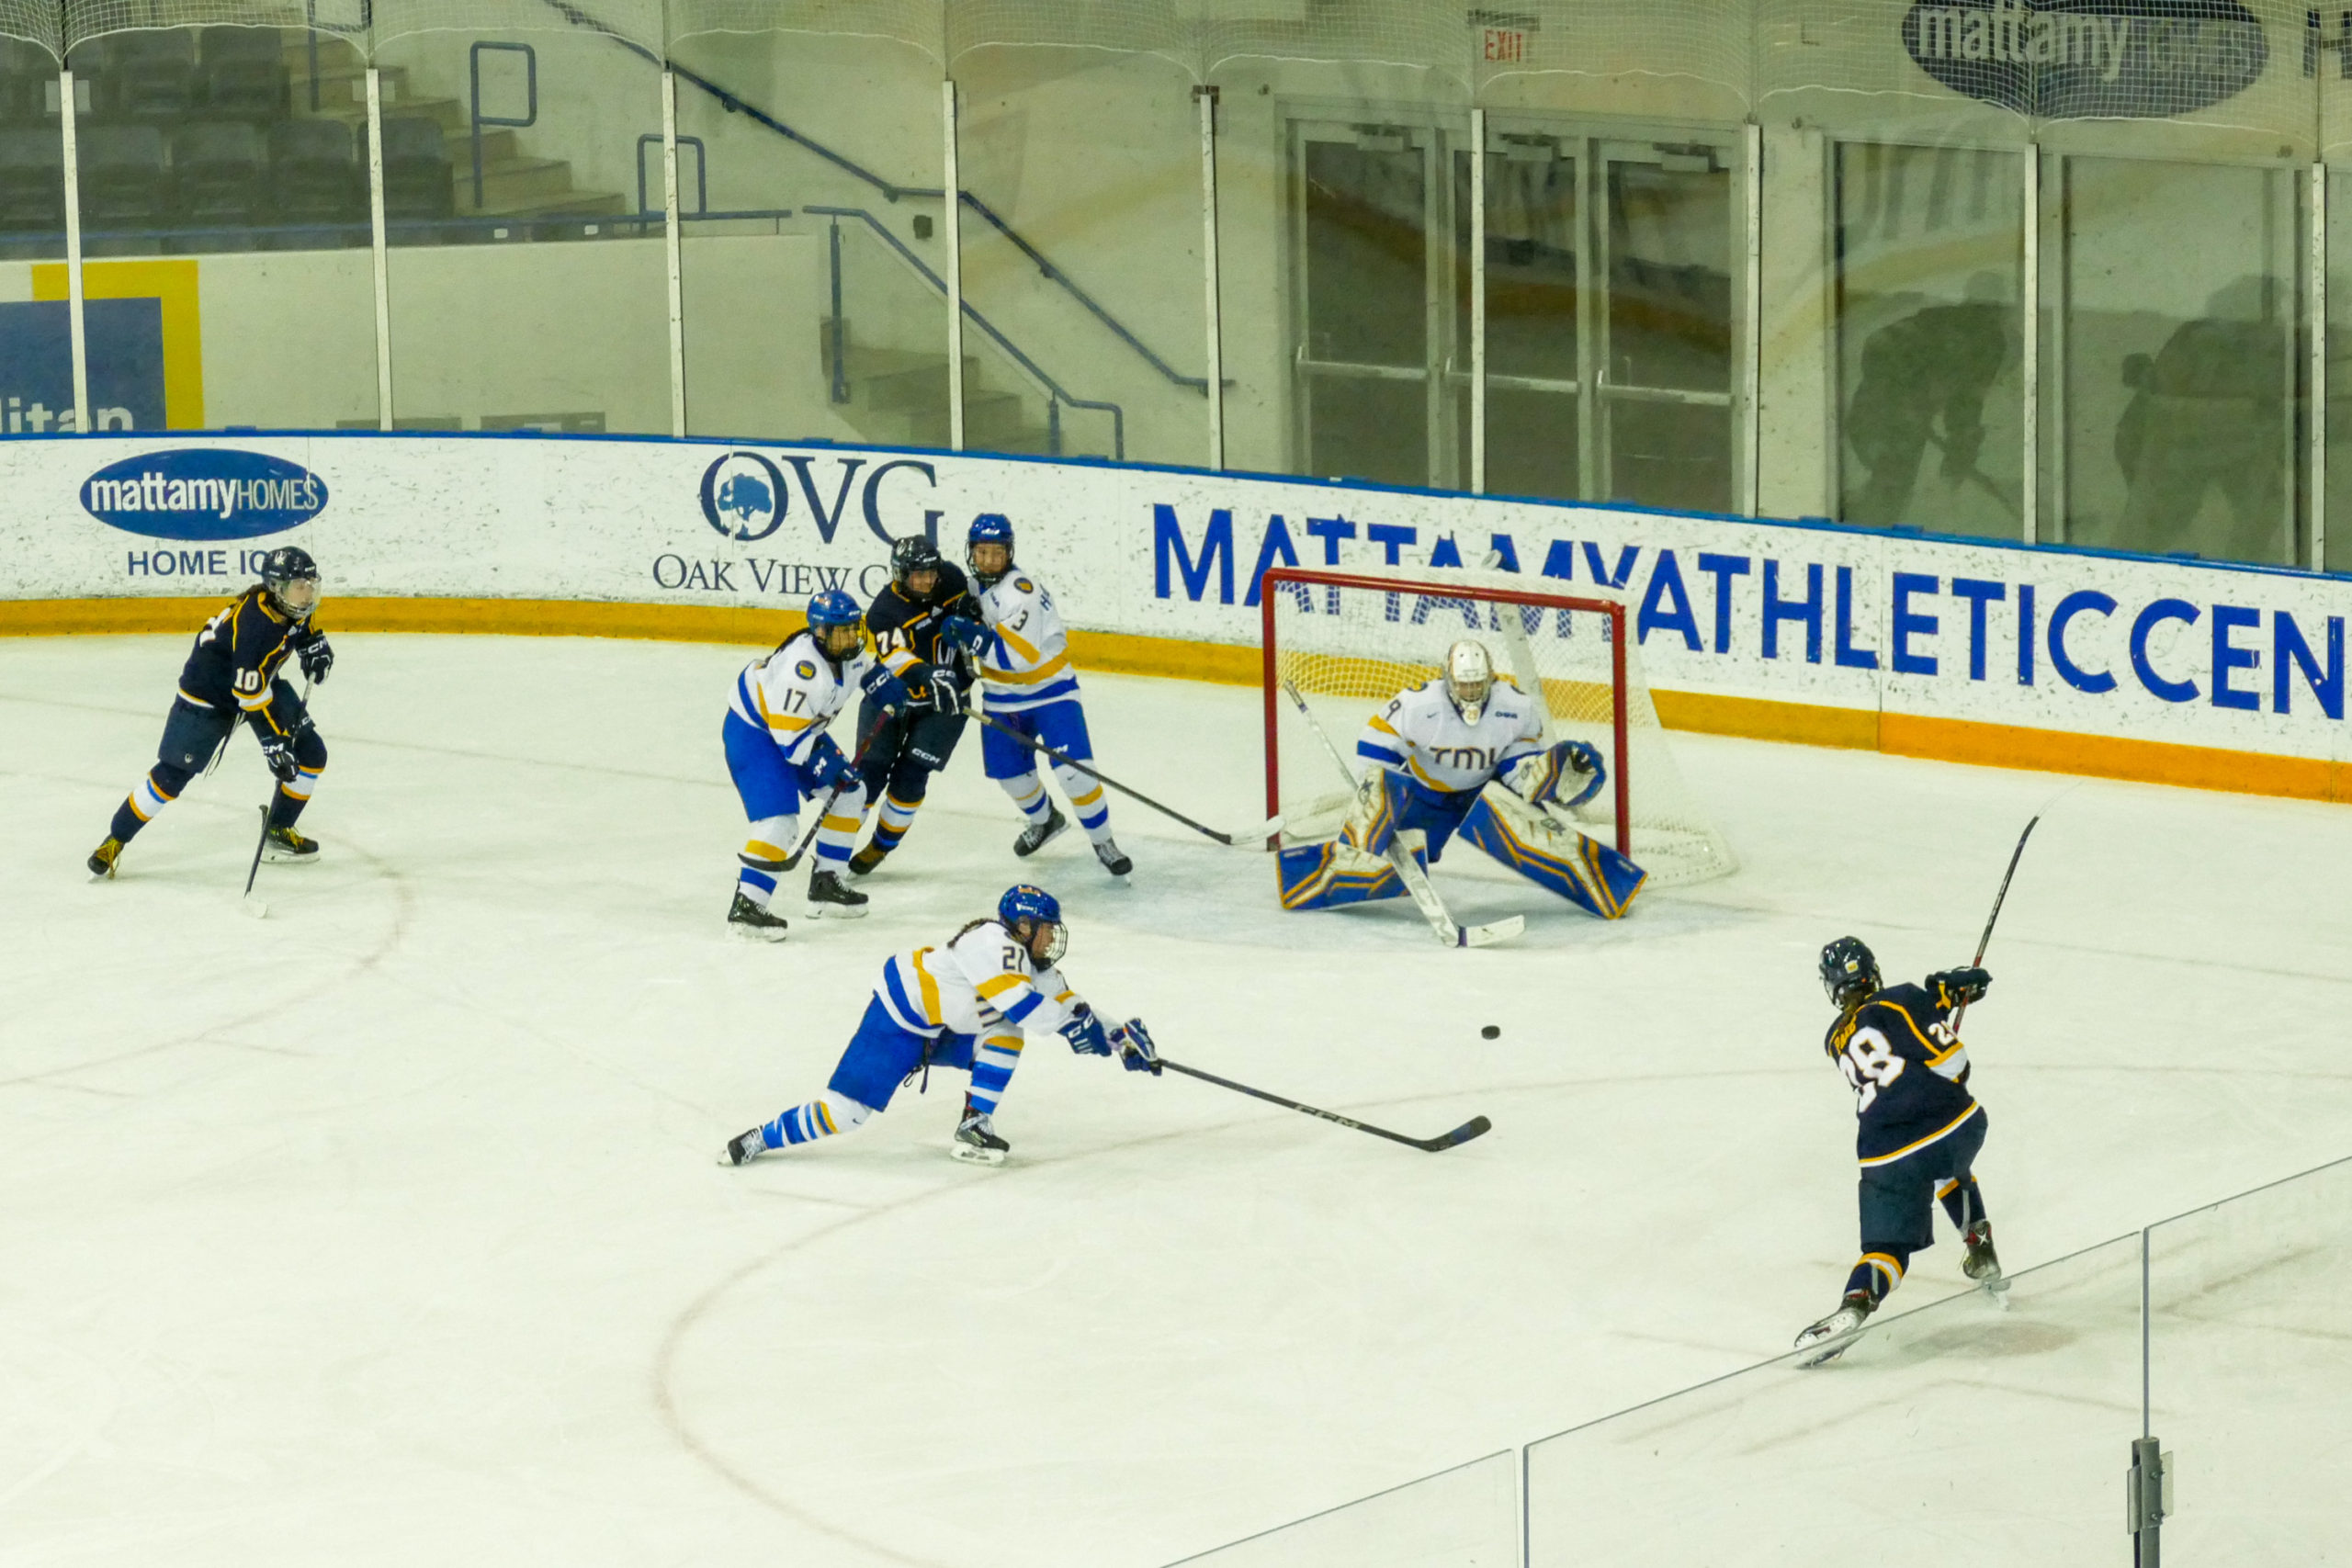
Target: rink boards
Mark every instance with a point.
(2159, 669)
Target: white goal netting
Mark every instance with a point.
(1348, 642)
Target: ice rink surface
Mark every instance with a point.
(386, 1230)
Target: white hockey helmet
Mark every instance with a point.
(1469, 678)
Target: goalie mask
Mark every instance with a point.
(1469, 679)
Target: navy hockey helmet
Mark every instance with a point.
(1024, 902)
(1849, 971)
(989, 528)
(292, 579)
(836, 622)
(910, 555)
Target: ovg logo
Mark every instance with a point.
(743, 497)
(204, 493)
(2076, 59)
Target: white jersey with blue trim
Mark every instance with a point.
(982, 979)
(1422, 733)
(1027, 663)
(794, 691)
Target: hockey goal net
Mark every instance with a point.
(1345, 642)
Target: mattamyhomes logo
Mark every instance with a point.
(204, 493)
(2074, 59)
(746, 496)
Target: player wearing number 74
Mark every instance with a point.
(1920, 1130)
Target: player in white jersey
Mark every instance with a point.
(1031, 688)
(965, 1005)
(778, 753)
(1463, 753)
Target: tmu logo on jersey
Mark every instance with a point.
(204, 493)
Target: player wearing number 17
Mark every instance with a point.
(1919, 1128)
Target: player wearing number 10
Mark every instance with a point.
(1920, 1126)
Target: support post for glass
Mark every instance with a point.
(2030, 368)
(1751, 336)
(1477, 301)
(672, 255)
(1207, 98)
(2315, 425)
(376, 243)
(73, 321)
(2147, 1489)
(953, 185)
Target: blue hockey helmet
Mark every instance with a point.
(292, 579)
(1042, 911)
(1849, 971)
(831, 615)
(989, 528)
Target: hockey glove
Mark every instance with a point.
(964, 633)
(883, 688)
(946, 696)
(1086, 1034)
(317, 656)
(826, 767)
(1572, 765)
(1137, 1053)
(1961, 986)
(278, 753)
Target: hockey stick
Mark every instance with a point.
(1408, 870)
(1472, 1128)
(802, 847)
(1255, 839)
(1998, 898)
(258, 907)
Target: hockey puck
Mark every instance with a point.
(1492, 1031)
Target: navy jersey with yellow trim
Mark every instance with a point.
(238, 655)
(905, 631)
(1907, 1068)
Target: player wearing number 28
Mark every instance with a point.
(1465, 753)
(967, 1005)
(1920, 1126)
(232, 676)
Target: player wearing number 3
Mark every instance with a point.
(1920, 1127)
(1463, 753)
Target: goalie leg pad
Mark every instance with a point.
(1326, 876)
(1590, 875)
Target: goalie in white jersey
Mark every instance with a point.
(1463, 753)
(1032, 690)
(965, 1005)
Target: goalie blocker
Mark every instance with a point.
(1393, 810)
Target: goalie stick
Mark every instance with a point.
(1408, 870)
(1476, 1127)
(1256, 838)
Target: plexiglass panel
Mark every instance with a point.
(1930, 255)
(1961, 1431)
(1465, 1517)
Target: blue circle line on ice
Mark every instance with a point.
(204, 493)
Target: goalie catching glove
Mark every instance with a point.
(1568, 773)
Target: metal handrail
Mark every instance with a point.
(1055, 393)
(310, 18)
(702, 173)
(531, 86)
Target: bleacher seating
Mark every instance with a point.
(220, 176)
(242, 73)
(315, 179)
(420, 178)
(32, 190)
(125, 189)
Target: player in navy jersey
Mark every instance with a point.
(233, 674)
(927, 633)
(1919, 1128)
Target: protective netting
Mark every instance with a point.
(1703, 41)
(1346, 650)
(918, 24)
(35, 24)
(1203, 35)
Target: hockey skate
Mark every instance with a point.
(1982, 1263)
(1113, 862)
(748, 920)
(1836, 1333)
(863, 862)
(102, 859)
(1037, 835)
(745, 1147)
(976, 1140)
(284, 844)
(829, 899)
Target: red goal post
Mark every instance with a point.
(1380, 668)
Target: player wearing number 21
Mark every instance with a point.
(967, 1005)
(1920, 1128)
(1463, 753)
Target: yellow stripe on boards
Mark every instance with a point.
(1907, 735)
